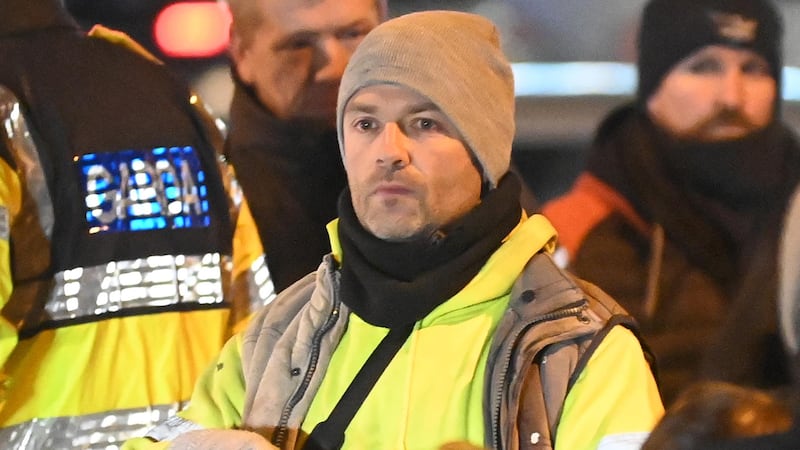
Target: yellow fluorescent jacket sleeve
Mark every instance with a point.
(218, 397)
(615, 395)
(10, 203)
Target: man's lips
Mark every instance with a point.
(392, 189)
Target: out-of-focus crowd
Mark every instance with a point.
(354, 262)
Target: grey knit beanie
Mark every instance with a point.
(454, 59)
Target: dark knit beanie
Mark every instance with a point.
(671, 30)
(455, 60)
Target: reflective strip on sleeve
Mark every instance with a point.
(172, 428)
(105, 431)
(4, 226)
(23, 150)
(262, 289)
(623, 441)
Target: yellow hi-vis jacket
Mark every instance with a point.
(451, 381)
(115, 236)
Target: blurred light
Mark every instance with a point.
(601, 78)
(530, 80)
(791, 83)
(573, 78)
(215, 87)
(193, 29)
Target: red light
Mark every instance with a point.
(193, 29)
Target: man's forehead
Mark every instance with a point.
(725, 50)
(311, 14)
(388, 95)
(291, 4)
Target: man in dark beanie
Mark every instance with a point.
(440, 317)
(685, 189)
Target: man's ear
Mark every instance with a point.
(238, 46)
(234, 44)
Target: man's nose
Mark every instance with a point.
(332, 57)
(393, 147)
(731, 89)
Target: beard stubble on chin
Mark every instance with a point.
(375, 222)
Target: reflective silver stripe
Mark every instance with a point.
(5, 224)
(106, 430)
(261, 288)
(623, 441)
(172, 428)
(23, 150)
(155, 281)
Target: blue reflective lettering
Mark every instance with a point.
(133, 190)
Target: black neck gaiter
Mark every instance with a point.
(390, 284)
(737, 173)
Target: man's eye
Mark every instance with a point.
(426, 124)
(355, 33)
(364, 124)
(298, 44)
(756, 68)
(704, 66)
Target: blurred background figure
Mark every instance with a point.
(712, 412)
(685, 187)
(789, 291)
(572, 61)
(789, 321)
(114, 235)
(715, 415)
(288, 58)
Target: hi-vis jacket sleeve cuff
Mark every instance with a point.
(615, 402)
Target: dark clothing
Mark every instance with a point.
(291, 174)
(684, 237)
(788, 440)
(86, 95)
(781, 441)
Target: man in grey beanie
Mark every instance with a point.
(685, 188)
(440, 316)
